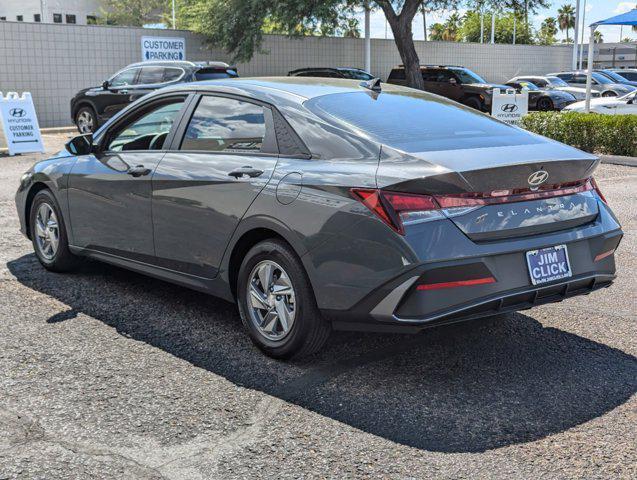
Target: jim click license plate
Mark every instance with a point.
(548, 264)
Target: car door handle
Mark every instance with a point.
(138, 171)
(246, 170)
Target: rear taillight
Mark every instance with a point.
(398, 209)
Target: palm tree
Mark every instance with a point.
(452, 26)
(437, 32)
(548, 30)
(566, 18)
(598, 37)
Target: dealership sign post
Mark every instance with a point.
(163, 48)
(20, 123)
(509, 106)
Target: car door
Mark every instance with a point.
(110, 190)
(117, 93)
(206, 182)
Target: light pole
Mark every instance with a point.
(368, 40)
(575, 36)
(174, 24)
(581, 49)
(493, 26)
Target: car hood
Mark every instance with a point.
(596, 102)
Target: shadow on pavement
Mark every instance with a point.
(462, 388)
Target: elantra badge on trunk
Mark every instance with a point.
(548, 264)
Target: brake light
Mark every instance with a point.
(457, 283)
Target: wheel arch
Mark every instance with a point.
(83, 103)
(33, 191)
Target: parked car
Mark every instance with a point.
(314, 204)
(542, 99)
(454, 82)
(627, 73)
(92, 107)
(600, 83)
(616, 77)
(554, 83)
(328, 72)
(608, 105)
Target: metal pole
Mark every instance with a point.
(368, 40)
(581, 47)
(481, 26)
(174, 24)
(589, 70)
(576, 35)
(424, 21)
(514, 25)
(492, 27)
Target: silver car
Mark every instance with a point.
(554, 83)
(600, 83)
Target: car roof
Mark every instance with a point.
(178, 63)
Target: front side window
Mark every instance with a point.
(122, 79)
(397, 74)
(150, 75)
(467, 76)
(222, 124)
(149, 131)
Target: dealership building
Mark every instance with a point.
(74, 12)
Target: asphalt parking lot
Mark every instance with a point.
(108, 374)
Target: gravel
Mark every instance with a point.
(109, 374)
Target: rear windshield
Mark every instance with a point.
(215, 73)
(417, 122)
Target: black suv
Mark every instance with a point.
(92, 107)
(329, 72)
(454, 82)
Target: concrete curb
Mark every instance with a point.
(51, 130)
(618, 160)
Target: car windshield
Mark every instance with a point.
(214, 73)
(601, 79)
(614, 76)
(629, 96)
(467, 76)
(529, 85)
(557, 82)
(416, 121)
(355, 74)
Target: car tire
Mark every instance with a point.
(48, 234)
(609, 94)
(299, 329)
(86, 120)
(545, 104)
(473, 102)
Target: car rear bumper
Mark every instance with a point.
(401, 306)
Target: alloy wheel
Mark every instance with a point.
(271, 300)
(47, 231)
(85, 122)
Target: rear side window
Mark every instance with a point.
(397, 74)
(415, 122)
(172, 74)
(151, 75)
(221, 124)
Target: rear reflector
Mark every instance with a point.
(457, 283)
(602, 256)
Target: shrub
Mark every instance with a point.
(591, 132)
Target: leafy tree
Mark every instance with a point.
(548, 30)
(470, 30)
(437, 32)
(566, 19)
(598, 37)
(135, 13)
(351, 28)
(626, 40)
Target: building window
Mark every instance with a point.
(3, 19)
(91, 20)
(19, 18)
(57, 18)
(36, 17)
(70, 18)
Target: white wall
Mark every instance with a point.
(54, 61)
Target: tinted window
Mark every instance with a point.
(467, 76)
(567, 77)
(540, 82)
(222, 124)
(416, 122)
(397, 74)
(127, 77)
(632, 76)
(557, 82)
(356, 74)
(579, 79)
(214, 73)
(439, 76)
(172, 74)
(151, 75)
(599, 78)
(149, 131)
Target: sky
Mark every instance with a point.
(595, 10)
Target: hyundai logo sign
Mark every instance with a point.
(538, 178)
(17, 112)
(509, 107)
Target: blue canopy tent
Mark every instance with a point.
(628, 18)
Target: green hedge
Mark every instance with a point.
(592, 132)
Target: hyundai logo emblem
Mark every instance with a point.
(17, 112)
(538, 178)
(509, 107)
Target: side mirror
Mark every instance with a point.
(80, 145)
(106, 84)
(630, 101)
(453, 81)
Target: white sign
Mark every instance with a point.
(20, 124)
(509, 106)
(163, 48)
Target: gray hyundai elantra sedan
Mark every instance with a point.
(320, 204)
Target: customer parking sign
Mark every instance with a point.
(163, 48)
(20, 124)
